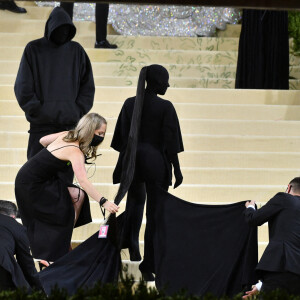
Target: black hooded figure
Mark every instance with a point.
(55, 84)
(151, 140)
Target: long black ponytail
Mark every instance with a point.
(129, 159)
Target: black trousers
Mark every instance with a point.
(287, 281)
(6, 282)
(101, 15)
(136, 198)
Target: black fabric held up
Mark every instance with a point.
(202, 248)
(17, 272)
(54, 84)
(263, 58)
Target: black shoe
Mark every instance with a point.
(12, 6)
(105, 45)
(147, 276)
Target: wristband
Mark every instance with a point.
(102, 201)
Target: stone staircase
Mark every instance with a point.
(239, 144)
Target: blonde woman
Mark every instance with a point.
(49, 206)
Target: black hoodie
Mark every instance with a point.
(55, 84)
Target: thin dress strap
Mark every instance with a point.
(64, 147)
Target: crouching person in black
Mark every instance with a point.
(16, 272)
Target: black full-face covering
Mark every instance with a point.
(61, 35)
(157, 79)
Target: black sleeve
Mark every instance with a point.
(264, 214)
(86, 93)
(175, 161)
(120, 137)
(171, 132)
(24, 86)
(25, 259)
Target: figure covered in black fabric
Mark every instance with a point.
(17, 268)
(158, 141)
(263, 57)
(279, 266)
(49, 205)
(54, 84)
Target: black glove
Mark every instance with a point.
(179, 178)
(177, 173)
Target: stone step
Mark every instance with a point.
(15, 39)
(194, 142)
(200, 159)
(185, 95)
(232, 30)
(145, 56)
(149, 56)
(128, 71)
(191, 175)
(9, 70)
(191, 126)
(191, 111)
(175, 82)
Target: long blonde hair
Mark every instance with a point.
(84, 133)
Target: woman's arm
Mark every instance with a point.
(77, 160)
(48, 139)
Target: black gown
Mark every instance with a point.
(46, 207)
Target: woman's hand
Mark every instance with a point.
(251, 293)
(250, 202)
(111, 207)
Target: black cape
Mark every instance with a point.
(201, 248)
(263, 58)
(14, 241)
(159, 131)
(46, 207)
(54, 84)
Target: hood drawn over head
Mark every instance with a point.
(157, 79)
(60, 24)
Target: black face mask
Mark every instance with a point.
(157, 79)
(61, 34)
(97, 140)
